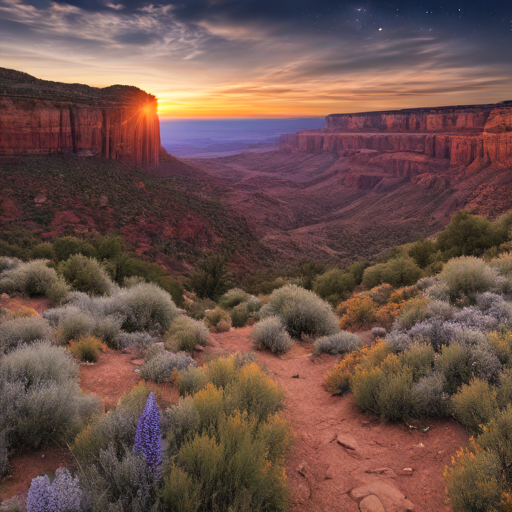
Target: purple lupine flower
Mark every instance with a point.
(147, 437)
(62, 495)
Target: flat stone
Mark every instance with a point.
(301, 492)
(347, 442)
(382, 471)
(388, 494)
(371, 504)
(137, 362)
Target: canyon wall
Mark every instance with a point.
(41, 117)
(460, 135)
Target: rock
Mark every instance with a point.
(407, 471)
(390, 496)
(137, 362)
(301, 492)
(390, 473)
(40, 117)
(302, 469)
(371, 504)
(347, 442)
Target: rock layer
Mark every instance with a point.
(461, 135)
(40, 117)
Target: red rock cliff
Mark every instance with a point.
(460, 135)
(37, 117)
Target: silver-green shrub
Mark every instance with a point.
(32, 278)
(271, 334)
(162, 364)
(301, 312)
(339, 343)
(20, 331)
(85, 275)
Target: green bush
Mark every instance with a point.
(397, 272)
(419, 358)
(240, 315)
(75, 324)
(43, 251)
(233, 298)
(335, 286)
(57, 292)
(270, 334)
(395, 400)
(69, 245)
(185, 334)
(465, 277)
(455, 365)
(474, 482)
(467, 235)
(423, 252)
(221, 371)
(191, 381)
(217, 317)
(429, 397)
(474, 405)
(86, 349)
(85, 275)
(504, 388)
(180, 492)
(366, 385)
(22, 331)
(302, 312)
(211, 278)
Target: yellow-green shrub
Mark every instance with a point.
(86, 348)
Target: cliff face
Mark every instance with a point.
(461, 135)
(40, 117)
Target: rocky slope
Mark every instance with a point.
(367, 182)
(41, 117)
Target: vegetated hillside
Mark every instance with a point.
(345, 192)
(171, 213)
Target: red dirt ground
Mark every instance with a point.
(327, 470)
(317, 417)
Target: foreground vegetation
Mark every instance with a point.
(441, 319)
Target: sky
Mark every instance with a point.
(269, 58)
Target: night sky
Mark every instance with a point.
(269, 58)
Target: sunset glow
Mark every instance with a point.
(264, 59)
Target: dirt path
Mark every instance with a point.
(320, 471)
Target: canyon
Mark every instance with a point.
(42, 117)
(369, 181)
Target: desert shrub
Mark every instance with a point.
(381, 294)
(429, 397)
(4, 452)
(301, 311)
(485, 364)
(338, 379)
(398, 341)
(435, 331)
(221, 371)
(271, 334)
(85, 275)
(472, 317)
(185, 333)
(233, 298)
(503, 264)
(211, 277)
(357, 313)
(233, 469)
(397, 272)
(474, 482)
(197, 309)
(423, 252)
(7, 263)
(108, 328)
(373, 276)
(465, 277)
(467, 235)
(474, 405)
(67, 246)
(334, 286)
(419, 358)
(22, 331)
(240, 315)
(455, 365)
(494, 305)
(378, 332)
(116, 428)
(75, 324)
(252, 391)
(217, 317)
(504, 388)
(33, 278)
(339, 343)
(86, 348)
(163, 364)
(180, 492)
(394, 399)
(57, 292)
(141, 339)
(119, 482)
(413, 312)
(43, 251)
(366, 386)
(39, 362)
(191, 381)
(145, 307)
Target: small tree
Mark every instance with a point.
(147, 436)
(211, 278)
